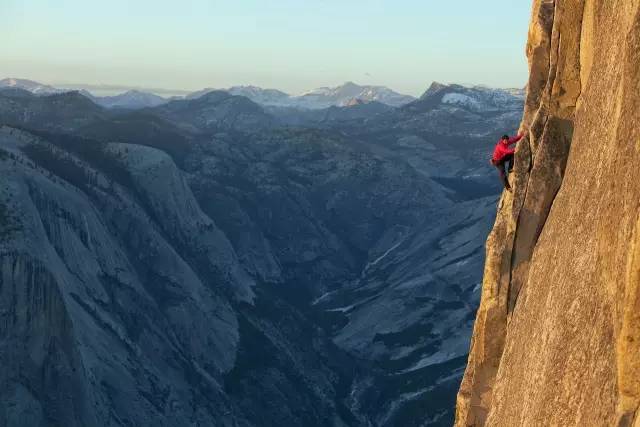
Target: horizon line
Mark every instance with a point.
(123, 88)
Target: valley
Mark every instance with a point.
(236, 263)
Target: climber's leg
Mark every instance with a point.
(503, 174)
(509, 158)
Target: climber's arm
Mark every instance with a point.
(515, 139)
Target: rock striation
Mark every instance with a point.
(557, 336)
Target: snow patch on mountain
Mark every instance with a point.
(30, 86)
(475, 99)
(460, 99)
(342, 95)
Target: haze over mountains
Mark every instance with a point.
(237, 264)
(321, 98)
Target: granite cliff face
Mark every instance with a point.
(557, 336)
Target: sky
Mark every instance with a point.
(292, 45)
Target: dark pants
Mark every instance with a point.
(503, 169)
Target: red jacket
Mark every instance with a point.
(502, 148)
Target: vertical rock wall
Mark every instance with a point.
(557, 335)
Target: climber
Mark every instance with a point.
(503, 154)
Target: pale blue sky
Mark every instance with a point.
(286, 44)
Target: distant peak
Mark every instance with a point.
(435, 87)
(215, 95)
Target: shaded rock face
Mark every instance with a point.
(556, 336)
(82, 325)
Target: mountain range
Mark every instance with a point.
(317, 99)
(235, 264)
